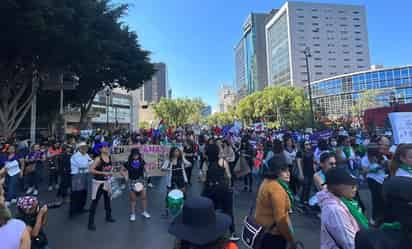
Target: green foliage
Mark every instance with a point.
(221, 118)
(366, 101)
(178, 112)
(280, 106)
(144, 125)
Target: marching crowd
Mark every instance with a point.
(288, 173)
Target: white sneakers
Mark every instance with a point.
(146, 215)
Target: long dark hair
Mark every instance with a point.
(133, 152)
(172, 152)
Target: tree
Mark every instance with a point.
(46, 39)
(283, 106)
(221, 118)
(367, 100)
(178, 112)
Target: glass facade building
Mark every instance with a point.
(278, 58)
(336, 96)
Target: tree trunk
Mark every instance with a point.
(15, 103)
(84, 111)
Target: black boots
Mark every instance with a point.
(109, 217)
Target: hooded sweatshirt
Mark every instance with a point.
(338, 228)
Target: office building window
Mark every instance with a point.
(301, 30)
(315, 24)
(331, 45)
(358, 39)
(314, 10)
(346, 52)
(317, 59)
(358, 46)
(343, 18)
(355, 12)
(357, 32)
(344, 32)
(315, 17)
(343, 25)
(346, 66)
(301, 16)
(344, 38)
(318, 66)
(345, 45)
(301, 23)
(356, 19)
(359, 60)
(332, 66)
(331, 59)
(341, 11)
(318, 73)
(356, 26)
(316, 45)
(316, 38)
(316, 52)
(346, 59)
(359, 52)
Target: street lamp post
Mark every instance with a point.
(307, 54)
(107, 107)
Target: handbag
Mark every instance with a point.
(241, 168)
(253, 233)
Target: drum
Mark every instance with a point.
(175, 200)
(138, 187)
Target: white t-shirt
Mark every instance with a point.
(79, 162)
(290, 156)
(13, 167)
(378, 176)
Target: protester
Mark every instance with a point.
(13, 232)
(246, 151)
(227, 159)
(296, 175)
(344, 153)
(200, 227)
(372, 165)
(322, 147)
(176, 173)
(217, 184)
(33, 169)
(396, 233)
(52, 159)
(341, 216)
(134, 171)
(327, 161)
(35, 218)
(65, 173)
(101, 169)
(273, 204)
(14, 166)
(306, 166)
(189, 151)
(80, 163)
(401, 164)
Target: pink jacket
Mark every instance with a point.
(338, 221)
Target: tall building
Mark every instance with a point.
(336, 35)
(227, 98)
(157, 87)
(335, 97)
(250, 55)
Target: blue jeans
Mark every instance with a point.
(12, 187)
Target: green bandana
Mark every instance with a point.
(285, 186)
(348, 151)
(405, 167)
(356, 212)
(391, 226)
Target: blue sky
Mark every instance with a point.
(196, 38)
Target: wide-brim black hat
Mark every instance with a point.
(198, 223)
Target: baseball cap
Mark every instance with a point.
(337, 176)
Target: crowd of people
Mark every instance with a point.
(288, 173)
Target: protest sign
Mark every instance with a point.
(401, 123)
(315, 137)
(154, 156)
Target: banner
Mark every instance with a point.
(154, 156)
(315, 137)
(401, 123)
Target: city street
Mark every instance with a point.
(148, 234)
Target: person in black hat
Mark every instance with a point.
(341, 216)
(199, 227)
(397, 232)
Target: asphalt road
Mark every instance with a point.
(146, 234)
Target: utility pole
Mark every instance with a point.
(307, 55)
(34, 88)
